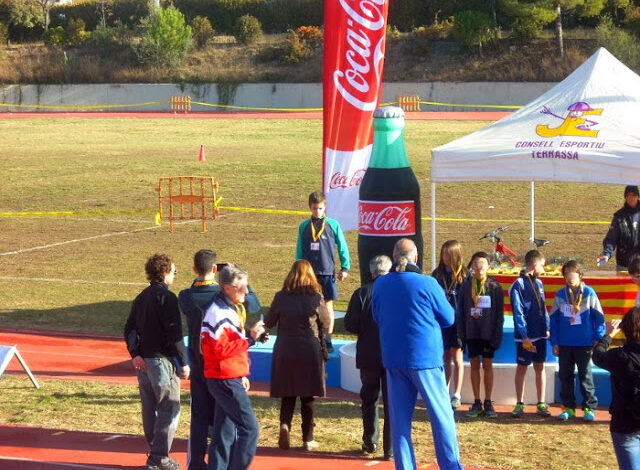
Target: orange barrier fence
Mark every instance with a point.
(194, 196)
(180, 103)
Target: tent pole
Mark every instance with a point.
(533, 211)
(433, 225)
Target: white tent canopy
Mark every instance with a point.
(586, 129)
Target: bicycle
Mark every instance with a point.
(501, 250)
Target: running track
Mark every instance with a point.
(104, 358)
(411, 116)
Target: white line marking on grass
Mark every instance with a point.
(61, 464)
(76, 240)
(70, 281)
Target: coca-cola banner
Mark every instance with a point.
(354, 42)
(387, 218)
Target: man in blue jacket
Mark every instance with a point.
(411, 309)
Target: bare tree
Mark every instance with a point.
(46, 6)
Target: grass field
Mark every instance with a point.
(81, 272)
(530, 443)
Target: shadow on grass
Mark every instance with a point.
(96, 318)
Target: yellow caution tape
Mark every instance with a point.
(524, 221)
(253, 108)
(265, 211)
(283, 212)
(72, 213)
(228, 106)
(456, 105)
(76, 107)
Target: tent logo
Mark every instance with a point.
(574, 124)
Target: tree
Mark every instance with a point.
(584, 7)
(19, 13)
(537, 13)
(528, 18)
(166, 39)
(473, 28)
(46, 6)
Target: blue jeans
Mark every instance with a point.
(627, 447)
(160, 396)
(202, 413)
(403, 387)
(235, 427)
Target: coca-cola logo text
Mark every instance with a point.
(338, 180)
(386, 218)
(358, 84)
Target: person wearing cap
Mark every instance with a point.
(623, 236)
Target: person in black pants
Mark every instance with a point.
(624, 365)
(194, 302)
(359, 320)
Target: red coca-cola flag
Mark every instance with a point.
(354, 44)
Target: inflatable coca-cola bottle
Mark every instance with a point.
(389, 197)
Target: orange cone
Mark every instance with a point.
(201, 157)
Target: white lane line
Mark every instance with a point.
(62, 464)
(112, 438)
(70, 281)
(76, 240)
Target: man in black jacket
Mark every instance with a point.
(153, 334)
(624, 233)
(359, 320)
(194, 302)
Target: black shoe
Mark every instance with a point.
(165, 464)
(369, 448)
(327, 341)
(387, 457)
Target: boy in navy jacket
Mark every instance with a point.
(480, 319)
(577, 324)
(531, 329)
(318, 238)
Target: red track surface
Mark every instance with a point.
(412, 116)
(76, 357)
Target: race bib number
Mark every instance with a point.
(315, 246)
(484, 301)
(575, 320)
(476, 312)
(567, 310)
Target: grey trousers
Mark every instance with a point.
(160, 396)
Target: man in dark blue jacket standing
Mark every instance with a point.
(359, 320)
(411, 309)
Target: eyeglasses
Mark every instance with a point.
(241, 288)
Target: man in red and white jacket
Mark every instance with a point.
(226, 367)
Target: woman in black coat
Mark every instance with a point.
(624, 365)
(297, 367)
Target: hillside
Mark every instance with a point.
(222, 60)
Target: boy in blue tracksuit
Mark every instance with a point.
(531, 329)
(577, 323)
(318, 237)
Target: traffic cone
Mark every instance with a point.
(201, 157)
